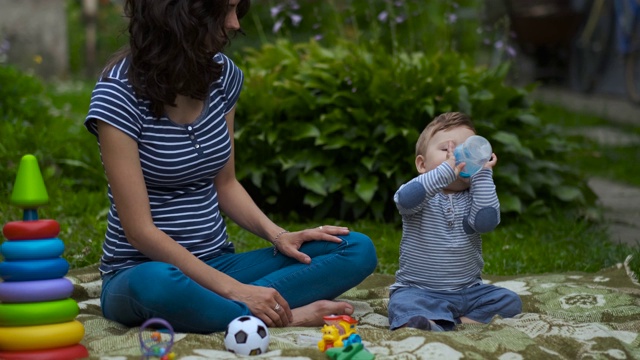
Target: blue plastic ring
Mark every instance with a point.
(27, 270)
(32, 249)
(34, 291)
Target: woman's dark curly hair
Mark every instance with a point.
(171, 46)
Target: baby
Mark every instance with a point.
(439, 283)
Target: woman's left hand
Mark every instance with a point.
(289, 243)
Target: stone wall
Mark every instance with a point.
(33, 36)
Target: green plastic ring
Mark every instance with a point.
(38, 313)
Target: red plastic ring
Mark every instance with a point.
(31, 230)
(77, 351)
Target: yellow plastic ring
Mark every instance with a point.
(38, 313)
(37, 337)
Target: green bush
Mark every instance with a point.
(30, 124)
(332, 130)
(67, 155)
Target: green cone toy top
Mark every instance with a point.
(29, 191)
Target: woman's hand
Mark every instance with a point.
(289, 243)
(265, 303)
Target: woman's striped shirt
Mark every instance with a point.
(441, 248)
(178, 163)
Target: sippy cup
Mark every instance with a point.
(475, 152)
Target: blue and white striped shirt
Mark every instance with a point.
(178, 163)
(441, 248)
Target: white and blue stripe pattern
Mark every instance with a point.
(435, 252)
(178, 163)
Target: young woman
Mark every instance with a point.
(163, 112)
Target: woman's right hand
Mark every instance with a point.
(265, 303)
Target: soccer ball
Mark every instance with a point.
(246, 335)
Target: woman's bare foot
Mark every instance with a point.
(311, 315)
(466, 320)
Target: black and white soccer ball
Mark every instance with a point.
(246, 335)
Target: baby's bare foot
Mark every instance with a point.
(311, 315)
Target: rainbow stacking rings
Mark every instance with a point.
(39, 337)
(36, 290)
(68, 352)
(38, 313)
(32, 250)
(26, 270)
(31, 230)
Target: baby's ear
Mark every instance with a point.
(420, 164)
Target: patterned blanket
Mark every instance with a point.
(565, 316)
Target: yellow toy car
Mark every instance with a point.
(339, 331)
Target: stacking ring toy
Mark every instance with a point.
(38, 313)
(76, 351)
(38, 337)
(32, 250)
(37, 290)
(31, 230)
(26, 270)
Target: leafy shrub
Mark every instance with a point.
(67, 154)
(30, 124)
(333, 130)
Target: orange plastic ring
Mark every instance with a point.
(31, 230)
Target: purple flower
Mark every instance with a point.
(5, 46)
(295, 19)
(452, 18)
(499, 44)
(400, 19)
(277, 25)
(318, 37)
(511, 51)
(382, 17)
(276, 10)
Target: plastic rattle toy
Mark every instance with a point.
(155, 346)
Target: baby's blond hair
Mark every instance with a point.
(442, 122)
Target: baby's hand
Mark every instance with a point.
(451, 159)
(492, 162)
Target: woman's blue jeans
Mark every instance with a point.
(156, 289)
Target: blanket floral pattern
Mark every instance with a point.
(565, 316)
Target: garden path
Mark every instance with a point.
(621, 202)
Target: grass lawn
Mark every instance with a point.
(554, 242)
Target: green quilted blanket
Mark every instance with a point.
(565, 316)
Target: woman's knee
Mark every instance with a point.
(152, 279)
(364, 252)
